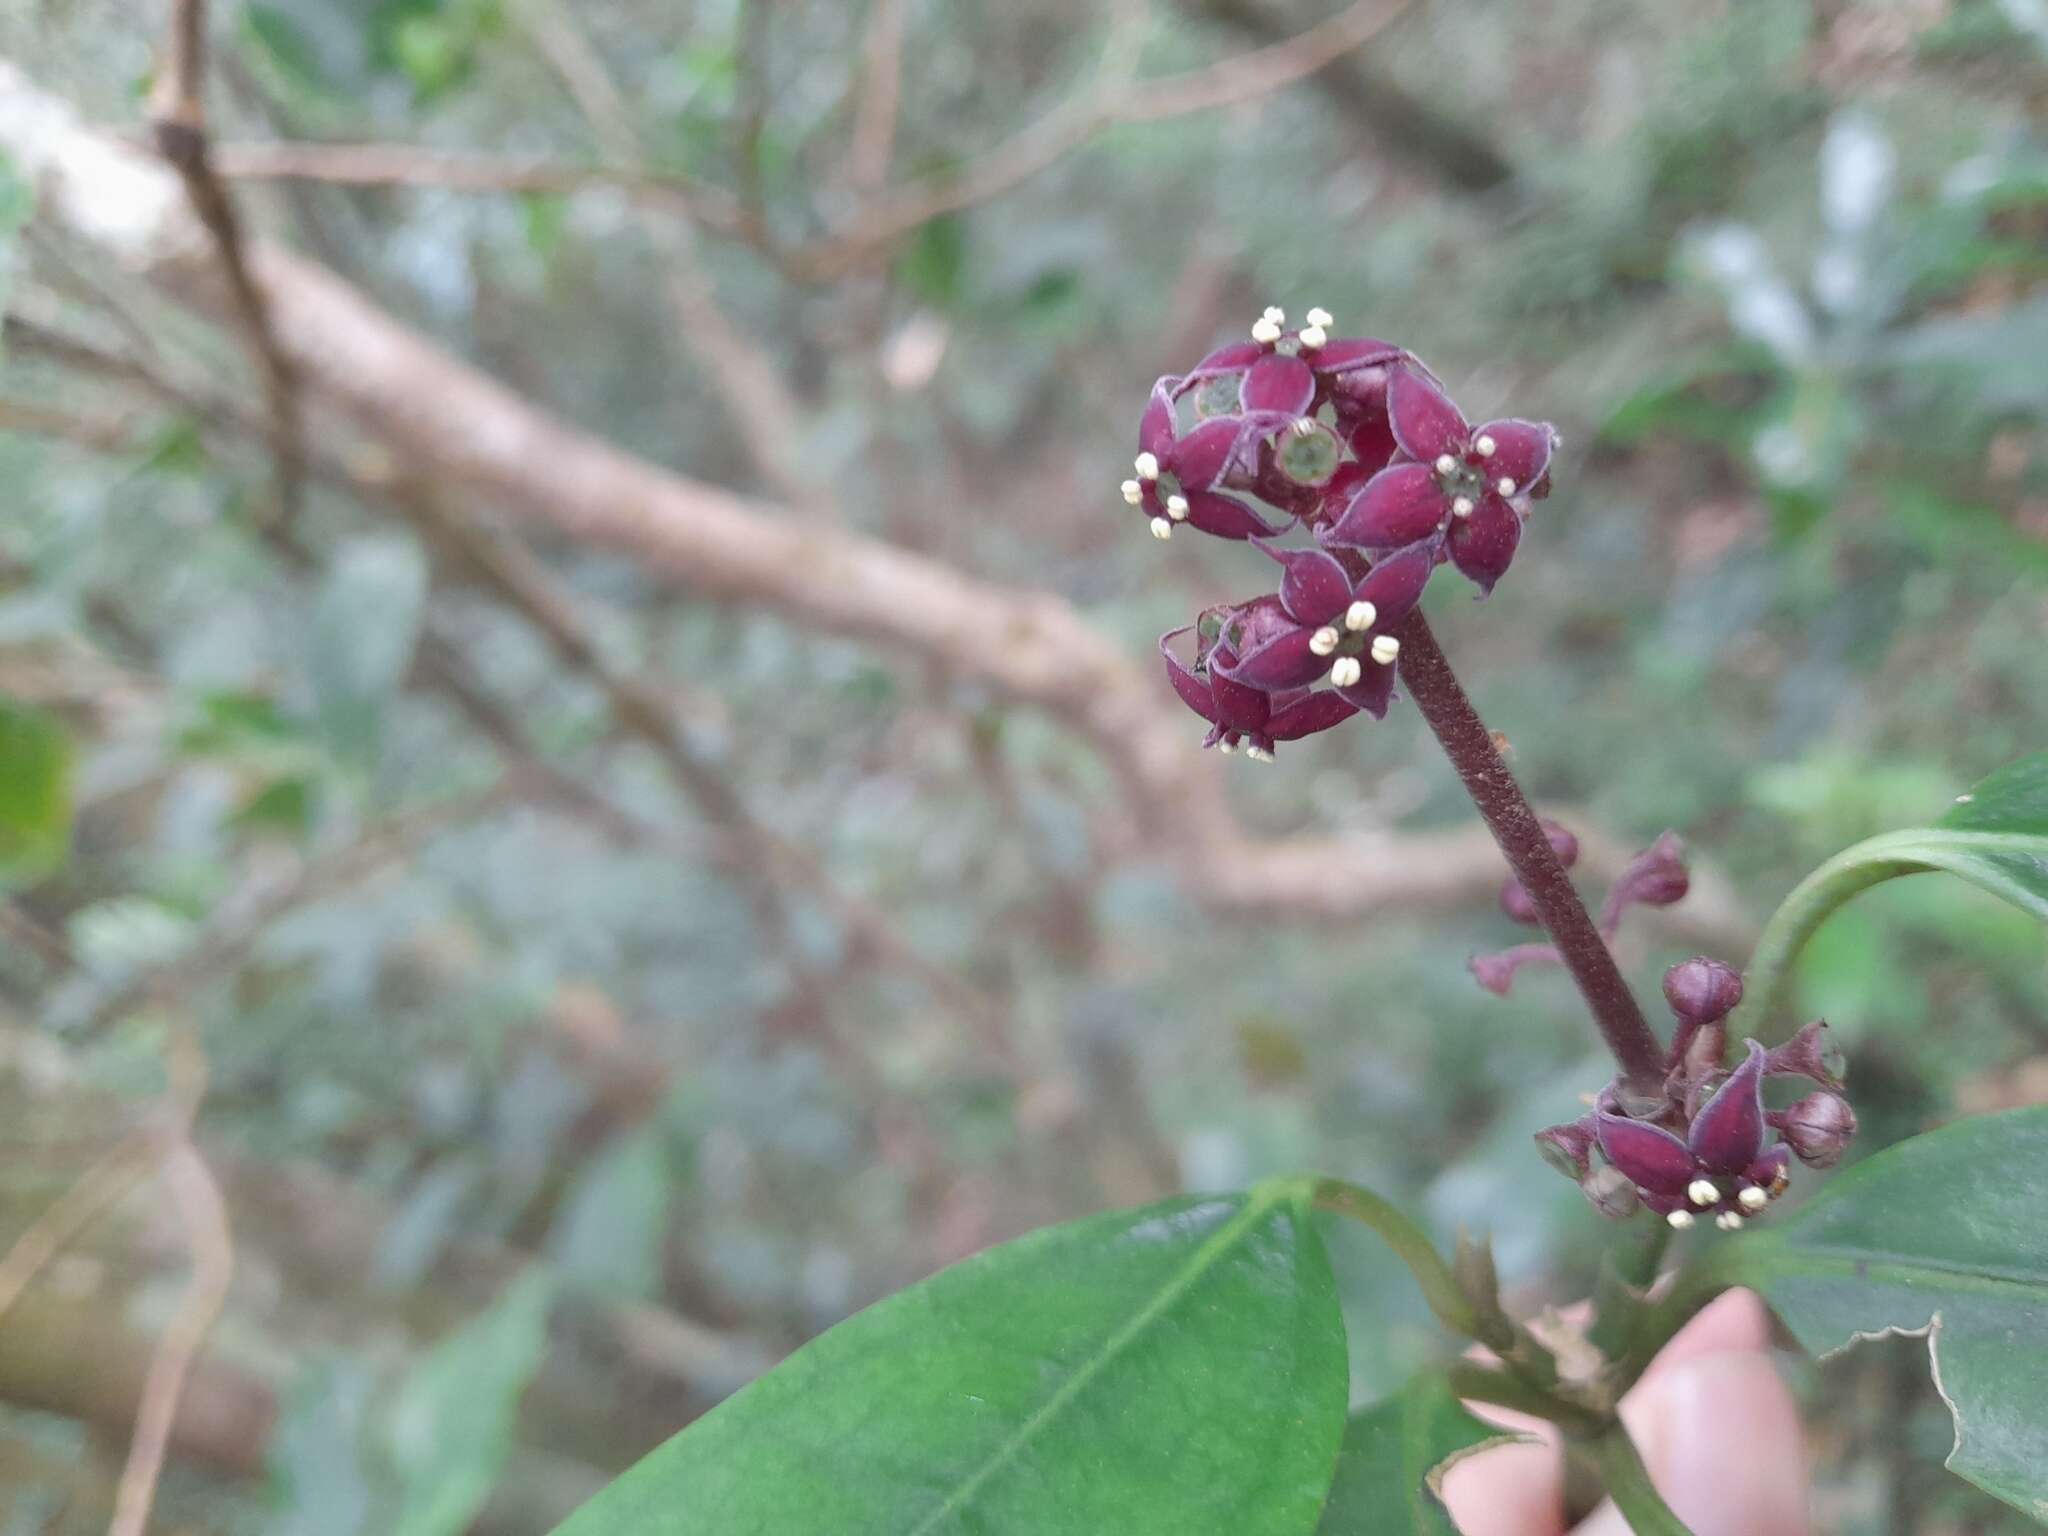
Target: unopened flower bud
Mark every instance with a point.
(1562, 842)
(1818, 1128)
(1701, 991)
(1612, 1194)
(1568, 1148)
(1514, 901)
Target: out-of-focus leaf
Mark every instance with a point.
(361, 640)
(276, 37)
(610, 1236)
(451, 1429)
(1394, 1455)
(1027, 1390)
(1994, 353)
(35, 794)
(319, 1484)
(424, 1221)
(1941, 1234)
(1995, 837)
(933, 260)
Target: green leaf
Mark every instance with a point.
(1390, 1470)
(365, 624)
(35, 794)
(1995, 837)
(319, 1486)
(451, 1429)
(1148, 1372)
(1942, 1234)
(610, 1236)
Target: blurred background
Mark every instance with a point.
(494, 951)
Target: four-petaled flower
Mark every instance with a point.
(1460, 489)
(1724, 1163)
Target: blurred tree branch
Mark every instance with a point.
(178, 107)
(483, 444)
(1410, 128)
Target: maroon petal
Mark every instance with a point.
(1426, 424)
(1284, 661)
(1727, 1134)
(1374, 690)
(1316, 587)
(1318, 712)
(1198, 459)
(1483, 545)
(1342, 353)
(1239, 707)
(1397, 507)
(1156, 427)
(1656, 1160)
(1234, 358)
(1394, 585)
(1372, 439)
(1278, 383)
(1769, 1170)
(1193, 689)
(1521, 451)
(1226, 517)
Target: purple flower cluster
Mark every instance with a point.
(1705, 1147)
(1355, 441)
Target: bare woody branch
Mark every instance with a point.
(179, 112)
(486, 445)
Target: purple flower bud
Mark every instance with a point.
(1810, 1054)
(1702, 991)
(1516, 903)
(1562, 842)
(1569, 1147)
(1611, 1193)
(1656, 877)
(1496, 972)
(1818, 1128)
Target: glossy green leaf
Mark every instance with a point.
(35, 794)
(1943, 1234)
(1152, 1372)
(1393, 1460)
(451, 1430)
(1995, 837)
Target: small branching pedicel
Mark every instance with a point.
(1355, 442)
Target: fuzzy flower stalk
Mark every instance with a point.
(1352, 446)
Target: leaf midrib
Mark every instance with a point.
(1261, 1202)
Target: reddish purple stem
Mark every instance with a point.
(1469, 745)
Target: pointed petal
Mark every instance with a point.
(1278, 383)
(1318, 712)
(1343, 353)
(1284, 661)
(1316, 587)
(1656, 1160)
(1426, 424)
(1372, 439)
(1193, 689)
(1240, 707)
(1374, 690)
(1521, 451)
(1396, 507)
(1483, 545)
(1198, 459)
(1233, 358)
(1394, 586)
(1156, 426)
(1226, 517)
(1727, 1134)
(1767, 1170)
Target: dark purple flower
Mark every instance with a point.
(1331, 626)
(1255, 718)
(1178, 473)
(1722, 1165)
(1460, 489)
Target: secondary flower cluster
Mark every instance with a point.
(1355, 441)
(1705, 1148)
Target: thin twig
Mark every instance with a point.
(204, 1216)
(90, 1196)
(179, 113)
(873, 139)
